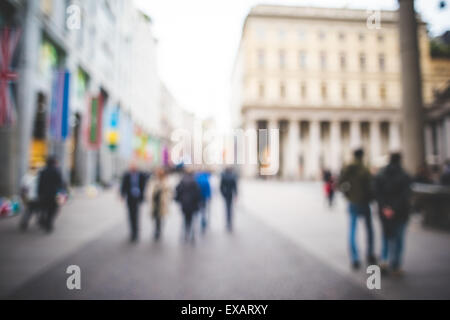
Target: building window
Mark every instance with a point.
(344, 92)
(361, 37)
(261, 58)
(281, 34)
(343, 61)
(363, 92)
(323, 60)
(341, 36)
(380, 37)
(362, 62)
(261, 90)
(382, 62)
(303, 91)
(323, 91)
(282, 59)
(282, 91)
(383, 94)
(302, 60)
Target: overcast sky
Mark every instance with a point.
(198, 40)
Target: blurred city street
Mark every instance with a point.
(286, 245)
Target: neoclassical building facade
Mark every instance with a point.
(328, 79)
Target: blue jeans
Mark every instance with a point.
(204, 214)
(357, 211)
(392, 247)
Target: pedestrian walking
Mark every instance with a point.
(132, 191)
(393, 194)
(188, 195)
(355, 182)
(228, 189)
(30, 198)
(202, 179)
(50, 192)
(329, 186)
(159, 198)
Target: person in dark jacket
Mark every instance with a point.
(393, 194)
(132, 191)
(188, 195)
(355, 182)
(228, 189)
(50, 184)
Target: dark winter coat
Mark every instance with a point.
(49, 184)
(392, 188)
(126, 187)
(188, 194)
(355, 182)
(228, 185)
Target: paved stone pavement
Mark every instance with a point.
(286, 245)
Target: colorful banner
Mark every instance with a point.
(59, 112)
(113, 130)
(95, 122)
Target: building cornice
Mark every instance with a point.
(325, 113)
(317, 13)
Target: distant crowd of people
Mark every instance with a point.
(192, 193)
(390, 188)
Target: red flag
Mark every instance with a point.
(8, 44)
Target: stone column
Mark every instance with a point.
(273, 141)
(413, 144)
(291, 151)
(250, 149)
(335, 145)
(355, 135)
(428, 142)
(394, 137)
(440, 132)
(314, 149)
(375, 142)
(447, 137)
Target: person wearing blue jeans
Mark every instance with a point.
(392, 188)
(202, 179)
(355, 182)
(393, 246)
(360, 211)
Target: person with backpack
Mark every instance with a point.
(188, 195)
(159, 197)
(202, 179)
(355, 182)
(228, 189)
(393, 193)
